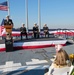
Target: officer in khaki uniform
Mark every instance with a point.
(46, 30)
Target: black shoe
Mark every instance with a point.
(27, 38)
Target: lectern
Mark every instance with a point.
(8, 28)
(8, 39)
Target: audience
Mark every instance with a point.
(58, 47)
(61, 60)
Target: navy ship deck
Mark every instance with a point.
(23, 60)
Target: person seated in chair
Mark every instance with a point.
(46, 30)
(36, 31)
(23, 31)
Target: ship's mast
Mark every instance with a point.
(26, 3)
(39, 15)
(8, 7)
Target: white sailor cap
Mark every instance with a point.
(23, 23)
(35, 23)
(7, 16)
(45, 24)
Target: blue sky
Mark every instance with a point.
(55, 13)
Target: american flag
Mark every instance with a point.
(4, 6)
(1, 27)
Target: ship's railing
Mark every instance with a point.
(65, 33)
(62, 33)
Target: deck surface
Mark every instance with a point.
(31, 39)
(26, 57)
(32, 57)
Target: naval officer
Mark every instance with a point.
(8, 21)
(23, 30)
(36, 31)
(46, 30)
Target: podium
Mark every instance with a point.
(8, 39)
(9, 45)
(8, 28)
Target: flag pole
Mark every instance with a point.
(39, 16)
(26, 3)
(8, 7)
